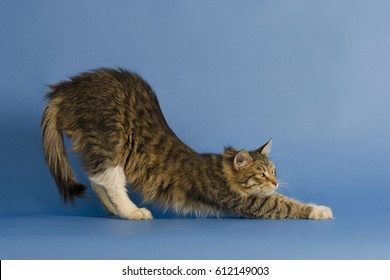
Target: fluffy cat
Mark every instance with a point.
(115, 123)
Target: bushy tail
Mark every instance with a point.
(56, 158)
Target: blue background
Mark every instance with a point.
(312, 75)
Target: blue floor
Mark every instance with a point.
(78, 237)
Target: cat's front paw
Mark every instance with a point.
(320, 213)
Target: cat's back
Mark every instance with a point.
(104, 97)
(103, 84)
(106, 104)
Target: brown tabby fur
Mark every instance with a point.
(113, 118)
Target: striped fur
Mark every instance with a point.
(115, 123)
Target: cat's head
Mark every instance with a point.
(250, 172)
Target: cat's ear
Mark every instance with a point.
(265, 149)
(242, 160)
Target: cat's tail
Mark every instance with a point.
(56, 157)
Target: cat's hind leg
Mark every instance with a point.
(111, 189)
(101, 193)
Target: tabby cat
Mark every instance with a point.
(115, 123)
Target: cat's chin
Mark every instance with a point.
(260, 192)
(269, 192)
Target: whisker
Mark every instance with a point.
(285, 177)
(285, 186)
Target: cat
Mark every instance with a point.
(116, 126)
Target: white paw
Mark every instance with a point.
(320, 213)
(139, 214)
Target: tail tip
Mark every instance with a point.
(74, 191)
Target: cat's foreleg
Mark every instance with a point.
(277, 206)
(116, 200)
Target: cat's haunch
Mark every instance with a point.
(116, 126)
